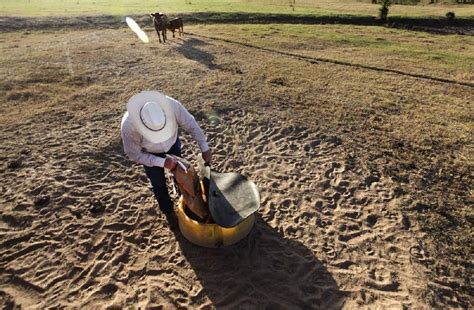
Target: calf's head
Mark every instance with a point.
(157, 15)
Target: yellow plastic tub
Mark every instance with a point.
(211, 235)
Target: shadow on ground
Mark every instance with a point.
(428, 24)
(264, 271)
(190, 49)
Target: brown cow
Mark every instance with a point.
(176, 23)
(160, 21)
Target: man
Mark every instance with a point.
(150, 131)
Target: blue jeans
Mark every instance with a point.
(158, 180)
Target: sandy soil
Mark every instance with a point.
(80, 228)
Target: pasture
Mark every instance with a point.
(311, 7)
(359, 138)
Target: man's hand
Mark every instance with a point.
(170, 163)
(207, 156)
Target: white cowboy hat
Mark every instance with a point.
(153, 115)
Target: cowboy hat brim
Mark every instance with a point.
(134, 107)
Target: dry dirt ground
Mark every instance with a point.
(348, 191)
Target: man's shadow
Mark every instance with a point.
(264, 271)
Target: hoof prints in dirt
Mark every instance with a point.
(98, 240)
(348, 220)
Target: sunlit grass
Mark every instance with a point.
(410, 51)
(125, 7)
(87, 7)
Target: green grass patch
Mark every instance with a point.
(449, 56)
(126, 7)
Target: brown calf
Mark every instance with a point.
(160, 21)
(176, 23)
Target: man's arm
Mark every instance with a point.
(131, 146)
(187, 121)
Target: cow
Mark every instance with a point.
(160, 21)
(176, 23)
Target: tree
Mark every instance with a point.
(384, 9)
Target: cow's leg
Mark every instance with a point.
(163, 33)
(173, 32)
(158, 33)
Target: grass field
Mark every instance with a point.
(413, 52)
(125, 7)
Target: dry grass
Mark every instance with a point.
(416, 132)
